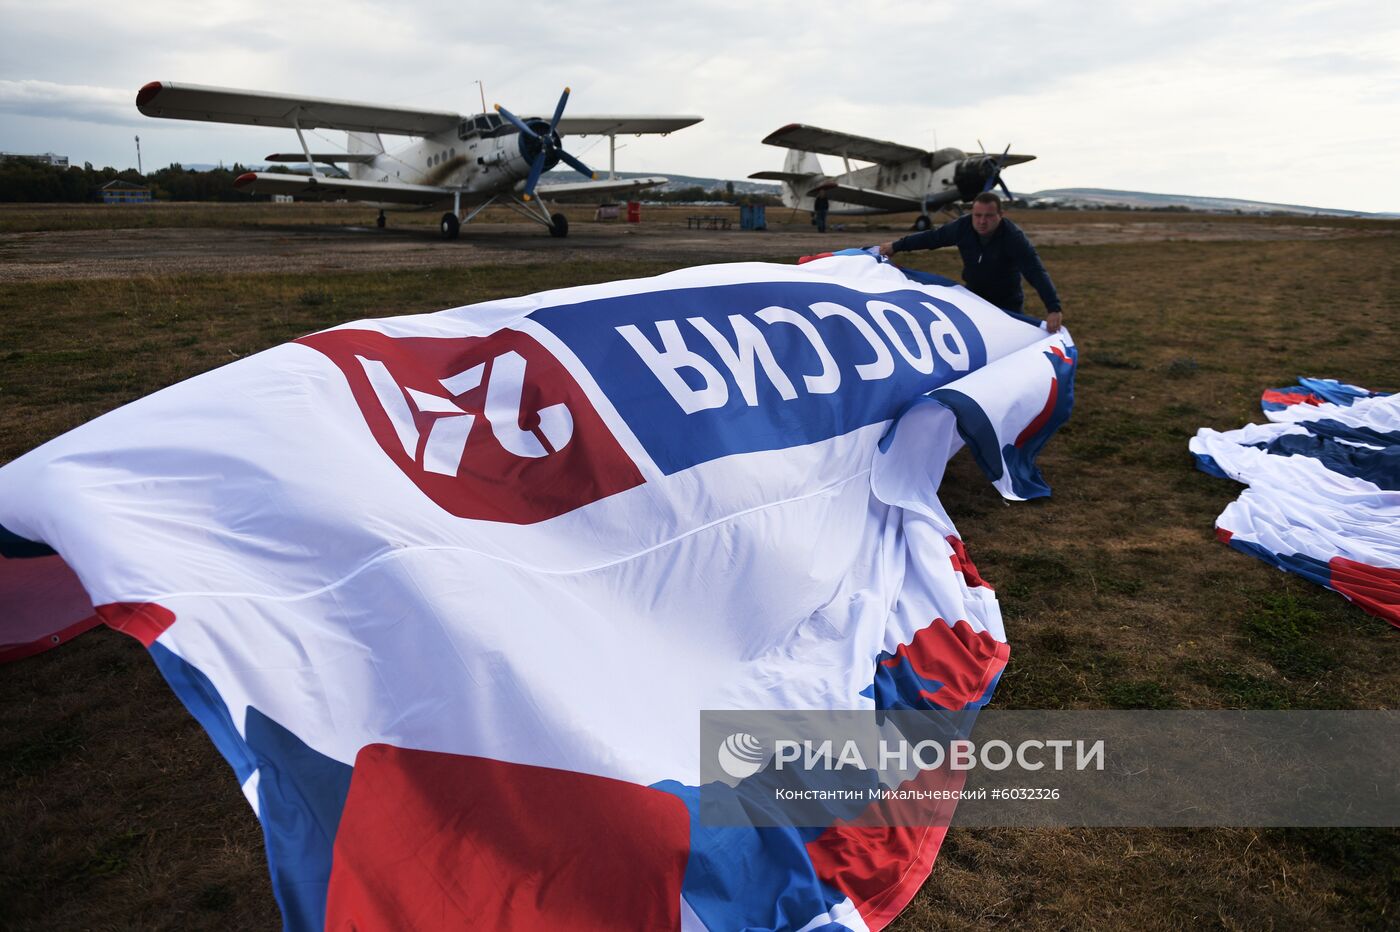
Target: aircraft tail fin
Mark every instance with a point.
(799, 162)
(362, 143)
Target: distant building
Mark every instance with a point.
(124, 192)
(48, 158)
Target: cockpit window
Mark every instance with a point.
(487, 126)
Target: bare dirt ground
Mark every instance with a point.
(413, 243)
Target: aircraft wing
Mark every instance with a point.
(829, 142)
(606, 186)
(324, 188)
(619, 125)
(789, 177)
(321, 157)
(869, 197)
(849, 194)
(261, 108)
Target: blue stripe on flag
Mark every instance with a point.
(1207, 464)
(204, 702)
(1380, 467)
(301, 793)
(1026, 479)
(747, 877)
(1310, 568)
(975, 428)
(1337, 393)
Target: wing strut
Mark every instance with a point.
(526, 209)
(296, 123)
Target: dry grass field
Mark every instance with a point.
(118, 813)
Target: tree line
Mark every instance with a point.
(31, 181)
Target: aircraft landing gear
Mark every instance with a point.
(559, 226)
(923, 223)
(450, 225)
(380, 221)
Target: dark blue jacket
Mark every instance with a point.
(993, 270)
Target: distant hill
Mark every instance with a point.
(1141, 200)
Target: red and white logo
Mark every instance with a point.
(492, 427)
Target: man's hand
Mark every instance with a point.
(887, 249)
(1053, 321)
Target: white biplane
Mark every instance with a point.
(467, 161)
(902, 178)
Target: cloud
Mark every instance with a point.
(1246, 99)
(80, 102)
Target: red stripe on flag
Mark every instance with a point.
(144, 621)
(881, 858)
(44, 605)
(1061, 353)
(963, 660)
(430, 840)
(11, 652)
(879, 868)
(1044, 416)
(1375, 588)
(1291, 398)
(962, 563)
(1222, 535)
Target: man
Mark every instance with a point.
(995, 255)
(819, 210)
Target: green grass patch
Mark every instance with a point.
(111, 855)
(1288, 633)
(1139, 694)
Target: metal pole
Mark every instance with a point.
(138, 156)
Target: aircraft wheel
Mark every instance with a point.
(923, 223)
(449, 226)
(560, 226)
(379, 221)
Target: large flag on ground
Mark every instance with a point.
(1324, 488)
(449, 591)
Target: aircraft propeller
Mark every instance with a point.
(548, 145)
(994, 179)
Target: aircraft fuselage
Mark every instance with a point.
(482, 156)
(936, 179)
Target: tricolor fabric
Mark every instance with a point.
(1324, 488)
(449, 591)
(1314, 392)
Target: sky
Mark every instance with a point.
(1288, 101)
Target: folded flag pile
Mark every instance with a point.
(1324, 488)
